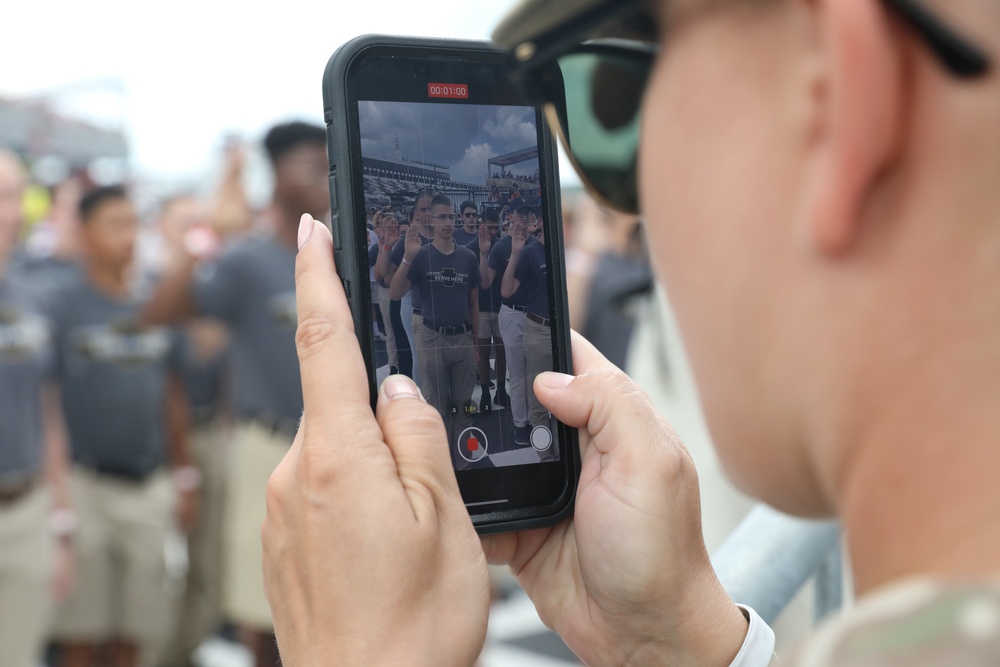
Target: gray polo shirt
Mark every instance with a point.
(26, 359)
(251, 287)
(113, 376)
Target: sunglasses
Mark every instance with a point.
(592, 91)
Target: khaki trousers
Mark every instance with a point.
(26, 570)
(256, 453)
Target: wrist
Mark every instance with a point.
(708, 635)
(63, 523)
(187, 478)
(407, 261)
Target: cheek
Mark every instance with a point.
(709, 201)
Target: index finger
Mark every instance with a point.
(332, 368)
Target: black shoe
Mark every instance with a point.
(522, 435)
(502, 398)
(493, 385)
(486, 405)
(393, 370)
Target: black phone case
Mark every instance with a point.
(351, 248)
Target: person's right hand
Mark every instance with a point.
(484, 240)
(627, 580)
(518, 239)
(390, 234)
(413, 243)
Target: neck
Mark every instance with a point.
(921, 496)
(287, 229)
(444, 245)
(110, 280)
(469, 228)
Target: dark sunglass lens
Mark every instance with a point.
(603, 93)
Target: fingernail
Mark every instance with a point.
(400, 386)
(305, 229)
(555, 380)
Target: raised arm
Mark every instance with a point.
(401, 279)
(510, 283)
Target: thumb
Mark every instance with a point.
(415, 434)
(604, 402)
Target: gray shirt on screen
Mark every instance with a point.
(499, 258)
(113, 375)
(252, 288)
(26, 359)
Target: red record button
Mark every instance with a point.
(453, 91)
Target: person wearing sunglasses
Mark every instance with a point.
(469, 229)
(818, 183)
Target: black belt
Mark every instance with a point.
(11, 493)
(520, 309)
(129, 475)
(417, 311)
(449, 331)
(544, 321)
(276, 425)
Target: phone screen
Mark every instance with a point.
(455, 171)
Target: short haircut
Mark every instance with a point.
(468, 203)
(93, 200)
(422, 194)
(442, 200)
(285, 137)
(491, 215)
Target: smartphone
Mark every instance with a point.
(434, 137)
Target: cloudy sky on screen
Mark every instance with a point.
(460, 136)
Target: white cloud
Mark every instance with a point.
(473, 167)
(512, 127)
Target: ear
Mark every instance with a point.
(857, 118)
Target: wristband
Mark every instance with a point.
(407, 262)
(187, 478)
(63, 522)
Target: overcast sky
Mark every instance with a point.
(179, 76)
(460, 136)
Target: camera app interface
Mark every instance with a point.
(457, 246)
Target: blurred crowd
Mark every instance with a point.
(150, 385)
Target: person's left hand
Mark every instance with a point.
(369, 554)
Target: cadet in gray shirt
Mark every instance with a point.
(125, 412)
(34, 566)
(251, 288)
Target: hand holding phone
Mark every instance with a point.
(399, 578)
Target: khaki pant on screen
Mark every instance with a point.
(120, 589)
(256, 453)
(538, 359)
(26, 569)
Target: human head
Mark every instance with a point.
(13, 181)
(442, 217)
(491, 220)
(297, 152)
(109, 227)
(421, 213)
(810, 241)
(470, 214)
